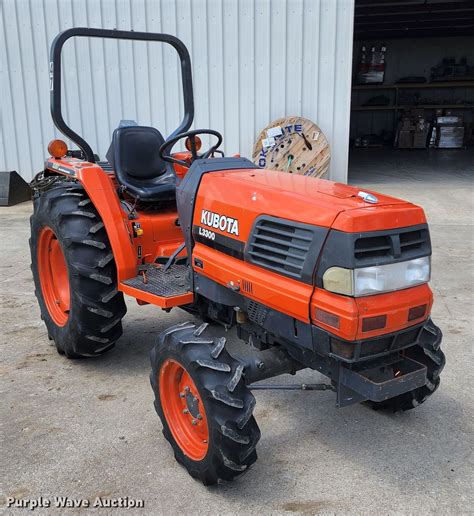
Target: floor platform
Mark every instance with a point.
(164, 288)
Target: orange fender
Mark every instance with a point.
(101, 190)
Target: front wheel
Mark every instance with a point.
(204, 404)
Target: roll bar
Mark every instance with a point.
(55, 76)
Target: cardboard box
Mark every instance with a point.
(450, 137)
(419, 139)
(449, 120)
(405, 139)
(407, 125)
(371, 77)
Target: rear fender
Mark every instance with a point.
(102, 192)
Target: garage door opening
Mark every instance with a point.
(412, 106)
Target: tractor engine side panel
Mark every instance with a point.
(226, 214)
(285, 295)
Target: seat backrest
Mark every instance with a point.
(134, 152)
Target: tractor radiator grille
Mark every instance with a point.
(371, 247)
(280, 246)
(412, 240)
(400, 244)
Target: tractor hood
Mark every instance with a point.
(245, 194)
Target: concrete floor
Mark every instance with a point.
(88, 428)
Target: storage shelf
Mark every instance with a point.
(398, 98)
(421, 85)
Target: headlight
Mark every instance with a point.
(378, 279)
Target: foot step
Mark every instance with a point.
(174, 282)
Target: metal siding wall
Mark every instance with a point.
(253, 61)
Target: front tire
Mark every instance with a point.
(74, 273)
(427, 352)
(204, 404)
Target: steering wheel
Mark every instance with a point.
(191, 135)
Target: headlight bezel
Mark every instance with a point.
(393, 277)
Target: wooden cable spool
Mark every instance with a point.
(294, 145)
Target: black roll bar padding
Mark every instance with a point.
(55, 77)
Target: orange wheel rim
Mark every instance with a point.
(184, 410)
(53, 276)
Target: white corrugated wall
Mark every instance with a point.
(253, 61)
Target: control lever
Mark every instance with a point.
(172, 258)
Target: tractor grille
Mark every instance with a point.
(280, 246)
(364, 350)
(412, 240)
(402, 244)
(372, 247)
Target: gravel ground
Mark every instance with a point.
(87, 429)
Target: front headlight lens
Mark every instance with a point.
(369, 280)
(378, 279)
(419, 270)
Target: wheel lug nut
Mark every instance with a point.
(185, 411)
(181, 394)
(186, 389)
(205, 441)
(194, 422)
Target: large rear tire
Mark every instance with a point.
(74, 273)
(204, 404)
(427, 352)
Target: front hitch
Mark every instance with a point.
(379, 381)
(387, 377)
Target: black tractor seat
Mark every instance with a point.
(138, 167)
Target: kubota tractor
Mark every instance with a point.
(310, 274)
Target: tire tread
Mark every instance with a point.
(233, 431)
(97, 307)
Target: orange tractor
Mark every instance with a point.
(309, 273)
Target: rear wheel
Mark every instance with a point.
(427, 352)
(203, 403)
(74, 273)
(53, 275)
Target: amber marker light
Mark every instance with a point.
(57, 148)
(189, 144)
